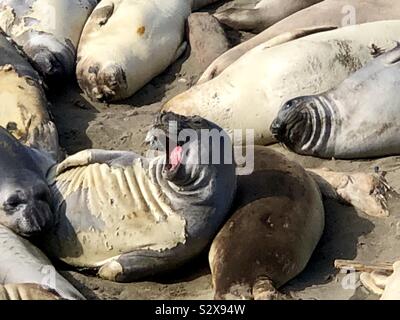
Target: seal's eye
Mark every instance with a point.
(13, 201)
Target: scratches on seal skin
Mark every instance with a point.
(344, 56)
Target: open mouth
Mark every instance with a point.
(174, 160)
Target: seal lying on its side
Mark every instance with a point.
(262, 14)
(134, 216)
(25, 198)
(358, 119)
(339, 13)
(249, 94)
(23, 110)
(48, 31)
(278, 220)
(21, 263)
(112, 66)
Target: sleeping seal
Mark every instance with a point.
(24, 106)
(264, 78)
(277, 222)
(134, 217)
(278, 219)
(339, 13)
(358, 119)
(21, 263)
(25, 198)
(48, 32)
(262, 14)
(112, 66)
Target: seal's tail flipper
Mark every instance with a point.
(367, 192)
(264, 289)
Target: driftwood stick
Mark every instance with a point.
(385, 267)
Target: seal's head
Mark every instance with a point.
(295, 122)
(25, 198)
(101, 83)
(195, 148)
(54, 60)
(25, 204)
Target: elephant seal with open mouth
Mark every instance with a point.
(134, 217)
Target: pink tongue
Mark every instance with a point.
(175, 157)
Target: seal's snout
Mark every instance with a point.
(48, 64)
(278, 128)
(28, 214)
(102, 84)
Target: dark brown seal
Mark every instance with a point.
(278, 221)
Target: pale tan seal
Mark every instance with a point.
(48, 32)
(112, 66)
(339, 13)
(249, 94)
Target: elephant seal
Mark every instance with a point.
(134, 217)
(339, 13)
(321, 62)
(25, 198)
(277, 222)
(48, 32)
(21, 263)
(113, 67)
(24, 105)
(262, 14)
(358, 119)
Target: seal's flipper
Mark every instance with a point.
(374, 282)
(264, 289)
(101, 15)
(296, 34)
(138, 265)
(91, 156)
(392, 56)
(368, 193)
(182, 48)
(27, 291)
(44, 137)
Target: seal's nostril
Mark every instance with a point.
(276, 127)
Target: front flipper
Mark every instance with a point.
(27, 292)
(91, 156)
(140, 264)
(44, 137)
